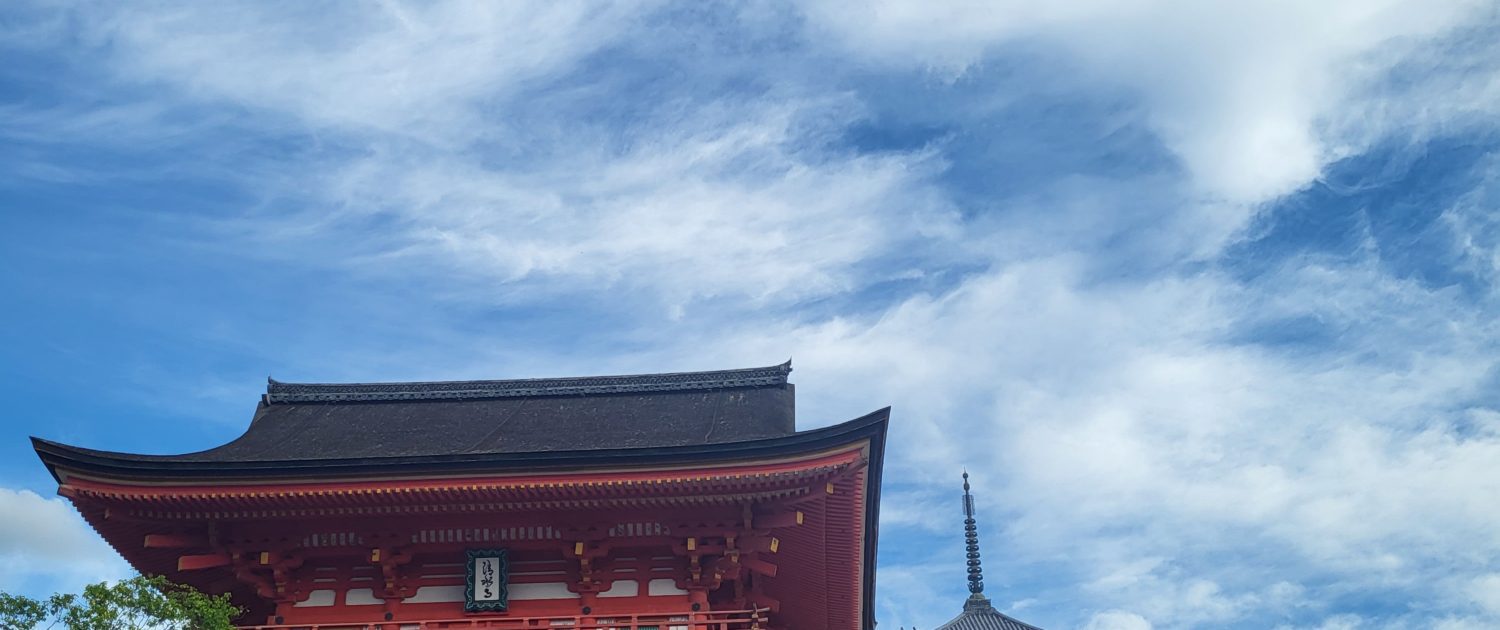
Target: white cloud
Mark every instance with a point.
(1474, 228)
(922, 594)
(1485, 590)
(1246, 94)
(1117, 620)
(45, 545)
(1341, 622)
(413, 69)
(1462, 623)
(738, 197)
(720, 203)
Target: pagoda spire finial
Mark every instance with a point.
(971, 542)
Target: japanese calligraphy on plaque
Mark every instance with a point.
(485, 583)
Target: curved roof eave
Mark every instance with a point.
(57, 456)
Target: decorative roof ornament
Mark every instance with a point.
(971, 542)
(979, 613)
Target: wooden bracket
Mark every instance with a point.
(389, 560)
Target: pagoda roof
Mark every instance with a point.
(979, 614)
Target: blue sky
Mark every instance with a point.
(1204, 295)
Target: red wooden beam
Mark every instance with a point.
(175, 541)
(783, 519)
(759, 566)
(202, 561)
(760, 543)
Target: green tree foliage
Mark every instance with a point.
(139, 603)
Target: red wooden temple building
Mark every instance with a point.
(684, 501)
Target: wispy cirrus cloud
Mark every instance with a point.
(724, 201)
(410, 70)
(429, 143)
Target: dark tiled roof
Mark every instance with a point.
(382, 421)
(980, 615)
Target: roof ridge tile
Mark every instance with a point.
(278, 392)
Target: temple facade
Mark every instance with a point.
(663, 501)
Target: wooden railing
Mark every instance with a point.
(711, 620)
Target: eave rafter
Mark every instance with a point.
(641, 489)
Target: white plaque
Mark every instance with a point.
(486, 579)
